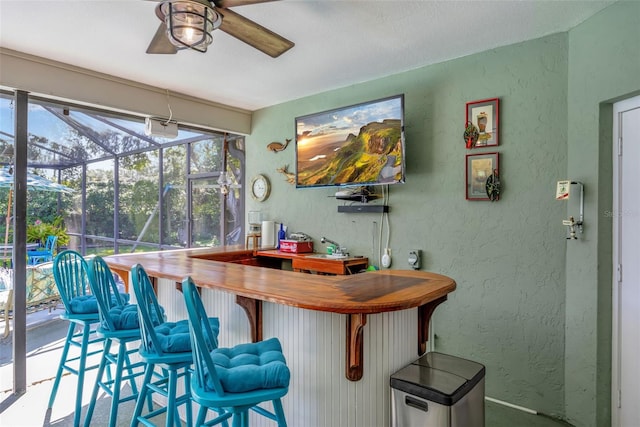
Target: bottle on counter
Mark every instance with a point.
(282, 235)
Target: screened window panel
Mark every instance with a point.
(175, 196)
(56, 138)
(206, 155)
(138, 213)
(100, 199)
(95, 246)
(206, 204)
(68, 139)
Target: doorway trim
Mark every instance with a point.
(616, 374)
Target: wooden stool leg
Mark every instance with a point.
(255, 240)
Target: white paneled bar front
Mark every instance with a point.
(314, 344)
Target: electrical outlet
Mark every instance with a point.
(414, 259)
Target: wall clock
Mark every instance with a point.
(260, 188)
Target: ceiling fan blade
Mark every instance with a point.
(234, 3)
(253, 34)
(160, 43)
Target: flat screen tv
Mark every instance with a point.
(358, 145)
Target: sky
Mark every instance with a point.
(335, 125)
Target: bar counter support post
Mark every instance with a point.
(124, 275)
(425, 312)
(355, 361)
(253, 309)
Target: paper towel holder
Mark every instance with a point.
(268, 235)
(562, 193)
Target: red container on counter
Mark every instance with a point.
(296, 247)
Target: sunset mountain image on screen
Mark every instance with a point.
(357, 145)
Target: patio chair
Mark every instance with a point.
(43, 254)
(166, 345)
(119, 324)
(233, 381)
(70, 272)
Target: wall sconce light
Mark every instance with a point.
(189, 23)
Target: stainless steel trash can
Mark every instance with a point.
(438, 390)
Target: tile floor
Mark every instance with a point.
(44, 343)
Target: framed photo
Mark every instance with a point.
(480, 167)
(484, 115)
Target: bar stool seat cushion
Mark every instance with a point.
(125, 317)
(84, 304)
(87, 304)
(250, 366)
(174, 336)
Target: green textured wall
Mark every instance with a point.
(507, 257)
(532, 307)
(604, 66)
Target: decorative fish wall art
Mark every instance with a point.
(278, 146)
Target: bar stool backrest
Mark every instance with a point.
(150, 311)
(200, 336)
(105, 289)
(70, 272)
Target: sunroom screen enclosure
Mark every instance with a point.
(133, 192)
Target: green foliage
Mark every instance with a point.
(137, 161)
(99, 207)
(39, 231)
(43, 205)
(206, 155)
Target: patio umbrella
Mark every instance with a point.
(34, 182)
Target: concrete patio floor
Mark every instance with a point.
(45, 339)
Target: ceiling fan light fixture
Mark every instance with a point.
(190, 23)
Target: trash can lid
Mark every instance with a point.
(438, 378)
(456, 365)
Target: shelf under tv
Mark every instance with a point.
(358, 197)
(363, 208)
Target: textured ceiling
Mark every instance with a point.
(337, 43)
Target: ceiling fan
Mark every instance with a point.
(182, 20)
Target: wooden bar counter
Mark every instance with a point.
(239, 272)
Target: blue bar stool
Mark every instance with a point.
(233, 381)
(70, 272)
(168, 346)
(118, 324)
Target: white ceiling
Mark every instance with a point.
(337, 43)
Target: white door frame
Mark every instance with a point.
(616, 374)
